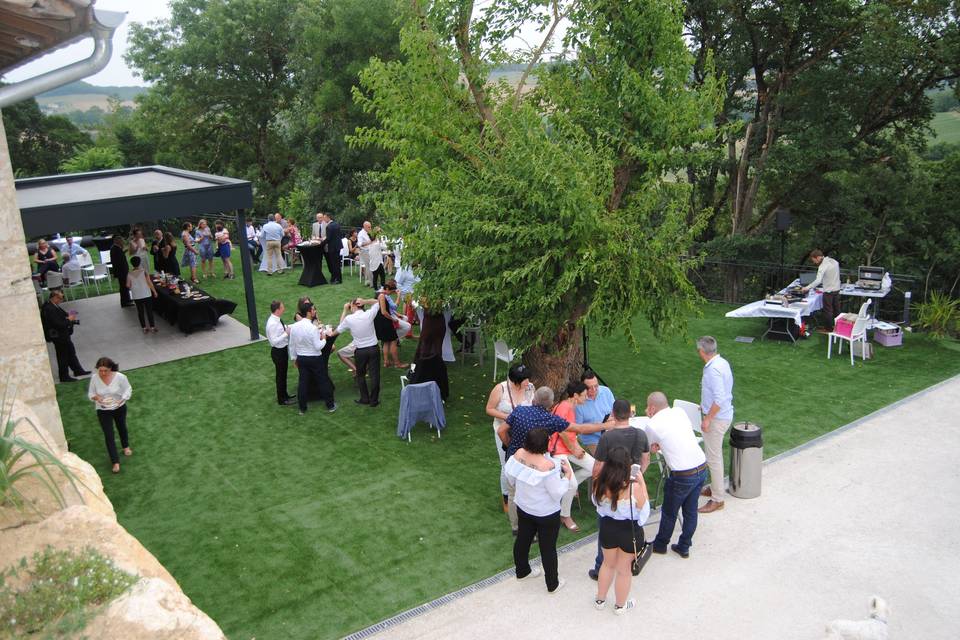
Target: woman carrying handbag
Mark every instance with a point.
(620, 495)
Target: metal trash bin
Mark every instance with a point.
(746, 460)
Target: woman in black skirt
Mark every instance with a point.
(623, 506)
(383, 323)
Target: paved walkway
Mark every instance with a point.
(106, 329)
(869, 509)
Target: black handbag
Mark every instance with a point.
(642, 554)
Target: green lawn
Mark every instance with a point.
(286, 527)
(946, 126)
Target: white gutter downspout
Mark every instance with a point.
(102, 29)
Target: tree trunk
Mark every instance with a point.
(732, 283)
(558, 362)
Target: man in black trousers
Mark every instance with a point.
(278, 334)
(121, 268)
(58, 327)
(334, 240)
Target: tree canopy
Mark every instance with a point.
(546, 209)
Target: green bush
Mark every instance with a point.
(57, 591)
(939, 315)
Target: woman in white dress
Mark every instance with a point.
(109, 390)
(138, 248)
(515, 391)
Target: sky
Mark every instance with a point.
(116, 72)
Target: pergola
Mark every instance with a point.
(79, 201)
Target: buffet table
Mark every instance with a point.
(189, 312)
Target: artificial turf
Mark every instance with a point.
(280, 526)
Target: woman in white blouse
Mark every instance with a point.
(109, 391)
(540, 482)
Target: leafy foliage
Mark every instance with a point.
(60, 587)
(221, 82)
(16, 466)
(547, 209)
(93, 159)
(38, 144)
(939, 315)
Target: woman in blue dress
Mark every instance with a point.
(205, 244)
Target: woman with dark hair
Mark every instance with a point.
(540, 482)
(564, 445)
(515, 391)
(224, 246)
(109, 390)
(168, 252)
(383, 323)
(623, 506)
(143, 292)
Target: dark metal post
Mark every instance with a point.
(246, 263)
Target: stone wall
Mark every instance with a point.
(24, 363)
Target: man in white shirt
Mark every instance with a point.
(360, 325)
(272, 235)
(72, 252)
(278, 333)
(253, 242)
(828, 277)
(716, 404)
(670, 433)
(319, 228)
(364, 240)
(306, 350)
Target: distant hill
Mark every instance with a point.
(85, 88)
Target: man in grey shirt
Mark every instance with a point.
(828, 277)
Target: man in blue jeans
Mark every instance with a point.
(671, 434)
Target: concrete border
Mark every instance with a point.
(591, 539)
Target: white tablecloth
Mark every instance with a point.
(796, 311)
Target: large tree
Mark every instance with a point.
(335, 41)
(547, 209)
(221, 84)
(815, 88)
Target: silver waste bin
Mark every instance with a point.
(746, 460)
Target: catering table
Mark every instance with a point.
(312, 255)
(190, 313)
(777, 314)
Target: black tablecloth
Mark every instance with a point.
(103, 244)
(312, 256)
(189, 314)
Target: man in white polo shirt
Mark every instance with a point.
(670, 433)
(306, 349)
(360, 325)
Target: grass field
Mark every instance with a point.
(946, 127)
(286, 527)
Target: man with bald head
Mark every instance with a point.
(670, 432)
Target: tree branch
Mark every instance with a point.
(557, 17)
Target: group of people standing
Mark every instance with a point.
(540, 441)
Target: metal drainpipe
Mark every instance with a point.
(104, 24)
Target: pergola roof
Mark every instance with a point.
(81, 201)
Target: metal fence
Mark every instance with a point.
(712, 278)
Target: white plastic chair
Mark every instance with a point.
(54, 280)
(105, 260)
(501, 352)
(692, 410)
(73, 278)
(858, 334)
(99, 273)
(345, 257)
(85, 262)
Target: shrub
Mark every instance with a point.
(58, 589)
(939, 315)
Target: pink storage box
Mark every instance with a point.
(844, 326)
(889, 337)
